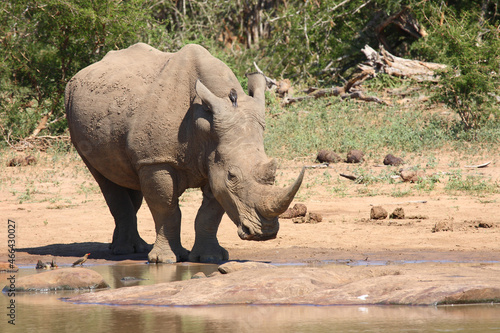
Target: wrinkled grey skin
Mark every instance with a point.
(152, 124)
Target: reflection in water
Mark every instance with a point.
(45, 312)
(149, 274)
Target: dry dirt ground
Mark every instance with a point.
(59, 212)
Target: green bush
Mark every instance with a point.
(468, 42)
(44, 43)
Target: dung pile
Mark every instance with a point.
(299, 214)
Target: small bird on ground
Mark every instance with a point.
(46, 265)
(81, 260)
(41, 265)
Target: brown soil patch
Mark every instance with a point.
(59, 212)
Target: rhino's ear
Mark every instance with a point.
(207, 97)
(257, 86)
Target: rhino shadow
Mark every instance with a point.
(98, 250)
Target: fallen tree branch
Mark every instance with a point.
(315, 94)
(361, 96)
(483, 165)
(317, 166)
(402, 203)
(270, 82)
(41, 143)
(343, 92)
(384, 62)
(350, 177)
(41, 125)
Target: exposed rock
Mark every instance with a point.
(61, 279)
(398, 213)
(393, 160)
(8, 267)
(235, 266)
(199, 275)
(334, 285)
(355, 156)
(297, 210)
(412, 176)
(328, 156)
(216, 273)
(378, 213)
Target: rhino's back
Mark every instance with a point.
(102, 101)
(127, 109)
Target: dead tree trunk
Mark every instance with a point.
(384, 62)
(405, 22)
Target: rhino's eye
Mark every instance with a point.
(231, 176)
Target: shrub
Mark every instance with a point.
(44, 44)
(469, 44)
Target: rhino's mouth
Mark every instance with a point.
(257, 232)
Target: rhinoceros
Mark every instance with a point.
(151, 124)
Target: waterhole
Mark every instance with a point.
(45, 312)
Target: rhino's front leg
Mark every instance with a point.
(206, 246)
(160, 193)
(167, 247)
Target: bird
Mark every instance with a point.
(233, 96)
(46, 265)
(81, 260)
(41, 265)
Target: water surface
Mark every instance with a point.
(45, 312)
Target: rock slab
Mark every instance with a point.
(61, 279)
(7, 267)
(408, 284)
(235, 266)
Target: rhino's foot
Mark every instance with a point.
(208, 253)
(138, 245)
(167, 256)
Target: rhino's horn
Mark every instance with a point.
(277, 201)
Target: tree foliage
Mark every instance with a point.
(467, 39)
(43, 43)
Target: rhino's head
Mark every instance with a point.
(240, 174)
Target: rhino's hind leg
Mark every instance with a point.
(206, 246)
(126, 238)
(123, 204)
